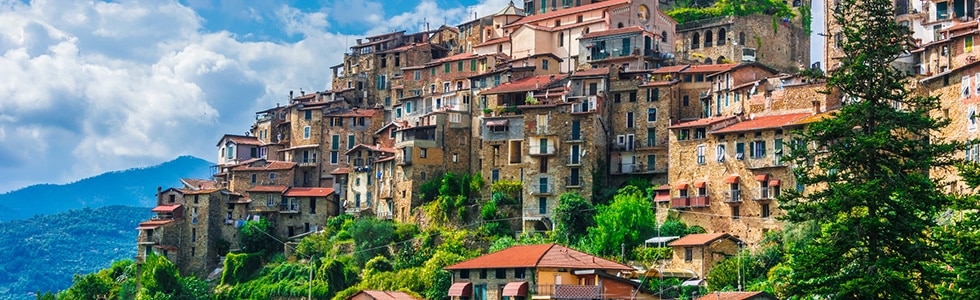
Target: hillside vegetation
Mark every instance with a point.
(132, 187)
(42, 253)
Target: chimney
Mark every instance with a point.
(290, 95)
(358, 41)
(159, 195)
(302, 92)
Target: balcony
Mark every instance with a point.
(636, 169)
(542, 189)
(733, 196)
(765, 194)
(699, 201)
(574, 181)
(307, 163)
(289, 208)
(404, 161)
(680, 202)
(567, 291)
(542, 149)
(764, 162)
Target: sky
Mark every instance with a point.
(93, 86)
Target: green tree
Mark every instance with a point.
(258, 236)
(871, 191)
(960, 239)
(628, 221)
(371, 237)
(573, 217)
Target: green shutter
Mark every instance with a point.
(472, 65)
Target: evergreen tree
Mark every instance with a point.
(869, 189)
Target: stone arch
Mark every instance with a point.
(720, 60)
(707, 38)
(722, 36)
(695, 40)
(707, 61)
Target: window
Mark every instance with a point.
(735, 214)
(308, 114)
(193, 234)
(459, 66)
(501, 273)
(721, 36)
(633, 96)
(418, 75)
(617, 97)
(519, 273)
(765, 211)
(472, 65)
(651, 162)
(651, 137)
(651, 114)
(695, 40)
(685, 100)
(684, 135)
(629, 120)
(313, 204)
(196, 198)
(382, 81)
(398, 112)
(350, 141)
(464, 274)
(494, 175)
(334, 157)
(653, 94)
(253, 180)
(515, 152)
(423, 152)
(445, 67)
(574, 155)
(270, 201)
(758, 149)
(688, 254)
(306, 132)
(739, 151)
(699, 133)
(701, 149)
(561, 39)
(777, 150)
(720, 153)
(576, 130)
(971, 117)
(543, 201)
(483, 273)
(544, 64)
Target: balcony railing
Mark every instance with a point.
(680, 202)
(733, 196)
(574, 181)
(699, 201)
(404, 161)
(776, 161)
(307, 163)
(567, 291)
(542, 189)
(765, 194)
(540, 149)
(289, 208)
(635, 169)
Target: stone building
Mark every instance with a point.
(186, 230)
(699, 252)
(364, 183)
(631, 48)
(548, 271)
(233, 149)
(958, 91)
(638, 115)
(953, 48)
(737, 39)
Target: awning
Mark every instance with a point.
(497, 123)
(762, 177)
(461, 289)
(682, 186)
(662, 196)
(732, 179)
(699, 184)
(165, 208)
(516, 288)
(663, 187)
(775, 182)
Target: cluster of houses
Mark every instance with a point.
(564, 97)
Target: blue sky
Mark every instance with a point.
(95, 86)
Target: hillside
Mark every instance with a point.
(44, 252)
(132, 187)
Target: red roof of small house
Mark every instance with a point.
(308, 192)
(199, 192)
(709, 68)
(700, 239)
(461, 56)
(166, 208)
(385, 295)
(152, 224)
(494, 41)
(372, 148)
(272, 165)
(240, 140)
(963, 25)
(195, 183)
(764, 122)
(670, 69)
(524, 85)
(538, 256)
(340, 171)
(613, 31)
(266, 189)
(592, 72)
(815, 118)
(567, 11)
(737, 296)
(660, 83)
(701, 122)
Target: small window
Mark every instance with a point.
(306, 132)
(423, 152)
(544, 64)
(688, 254)
(308, 114)
(464, 274)
(501, 273)
(735, 213)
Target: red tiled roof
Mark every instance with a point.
(494, 41)
(195, 183)
(240, 140)
(732, 179)
(699, 239)
(372, 148)
(614, 31)
(764, 122)
(198, 192)
(537, 256)
(670, 69)
(523, 85)
(963, 25)
(308, 192)
(567, 11)
(736, 296)
(592, 72)
(269, 166)
(152, 224)
(709, 68)
(340, 171)
(386, 295)
(266, 189)
(700, 122)
(166, 208)
(815, 118)
(461, 56)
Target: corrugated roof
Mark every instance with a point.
(535, 256)
(764, 122)
(308, 192)
(699, 239)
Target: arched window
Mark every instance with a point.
(741, 39)
(707, 38)
(561, 39)
(663, 36)
(695, 40)
(707, 61)
(620, 25)
(720, 60)
(721, 36)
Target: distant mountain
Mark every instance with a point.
(42, 253)
(133, 187)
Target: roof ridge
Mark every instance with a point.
(538, 261)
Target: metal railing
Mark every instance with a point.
(567, 291)
(539, 149)
(733, 196)
(574, 181)
(542, 189)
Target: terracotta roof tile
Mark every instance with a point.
(963, 25)
(266, 189)
(524, 85)
(194, 183)
(461, 56)
(764, 122)
(308, 192)
(494, 41)
(273, 165)
(614, 31)
(199, 192)
(699, 239)
(701, 122)
(387, 295)
(153, 224)
(709, 68)
(592, 72)
(166, 208)
(671, 69)
(240, 140)
(340, 171)
(535, 256)
(567, 11)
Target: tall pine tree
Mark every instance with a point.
(866, 172)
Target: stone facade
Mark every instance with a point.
(701, 257)
(958, 97)
(737, 39)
